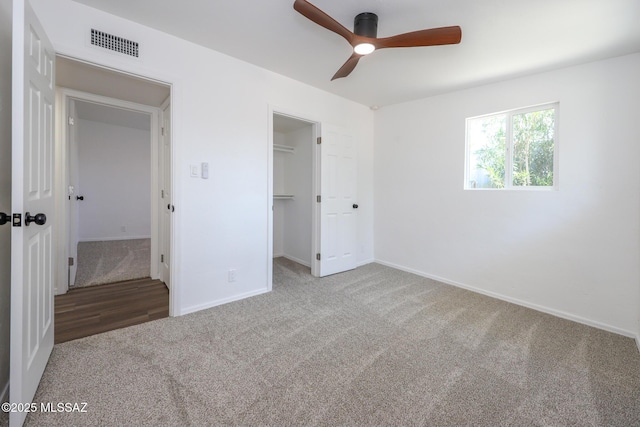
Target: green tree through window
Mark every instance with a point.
(533, 135)
(513, 149)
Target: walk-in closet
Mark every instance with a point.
(293, 142)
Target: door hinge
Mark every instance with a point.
(71, 121)
(70, 261)
(162, 194)
(319, 140)
(162, 130)
(319, 199)
(17, 220)
(318, 257)
(162, 258)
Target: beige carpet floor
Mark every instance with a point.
(373, 346)
(112, 261)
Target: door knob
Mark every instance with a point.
(39, 219)
(355, 206)
(79, 197)
(4, 218)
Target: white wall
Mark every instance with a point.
(573, 252)
(114, 165)
(5, 193)
(298, 214)
(220, 115)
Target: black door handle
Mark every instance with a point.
(79, 197)
(4, 218)
(355, 206)
(39, 219)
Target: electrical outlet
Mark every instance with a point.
(232, 276)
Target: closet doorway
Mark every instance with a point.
(313, 181)
(294, 142)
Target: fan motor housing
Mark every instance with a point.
(366, 24)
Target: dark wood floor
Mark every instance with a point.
(92, 310)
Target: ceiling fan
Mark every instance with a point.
(364, 40)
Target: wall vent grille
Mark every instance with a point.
(115, 43)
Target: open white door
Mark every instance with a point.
(338, 187)
(32, 198)
(166, 203)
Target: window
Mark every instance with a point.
(514, 150)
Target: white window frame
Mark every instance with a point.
(508, 164)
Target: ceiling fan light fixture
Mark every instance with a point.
(364, 48)
(364, 38)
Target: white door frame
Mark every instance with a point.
(315, 215)
(71, 219)
(165, 198)
(65, 96)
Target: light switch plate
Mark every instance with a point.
(205, 170)
(194, 172)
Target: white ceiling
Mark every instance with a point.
(112, 115)
(100, 81)
(88, 78)
(501, 39)
(285, 124)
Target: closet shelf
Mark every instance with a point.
(283, 196)
(283, 148)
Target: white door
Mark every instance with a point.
(338, 206)
(166, 204)
(32, 193)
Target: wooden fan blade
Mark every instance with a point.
(319, 17)
(430, 37)
(348, 67)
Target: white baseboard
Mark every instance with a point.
(307, 264)
(541, 308)
(4, 395)
(215, 303)
(638, 341)
(108, 239)
(294, 259)
(299, 261)
(365, 262)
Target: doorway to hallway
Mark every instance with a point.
(115, 165)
